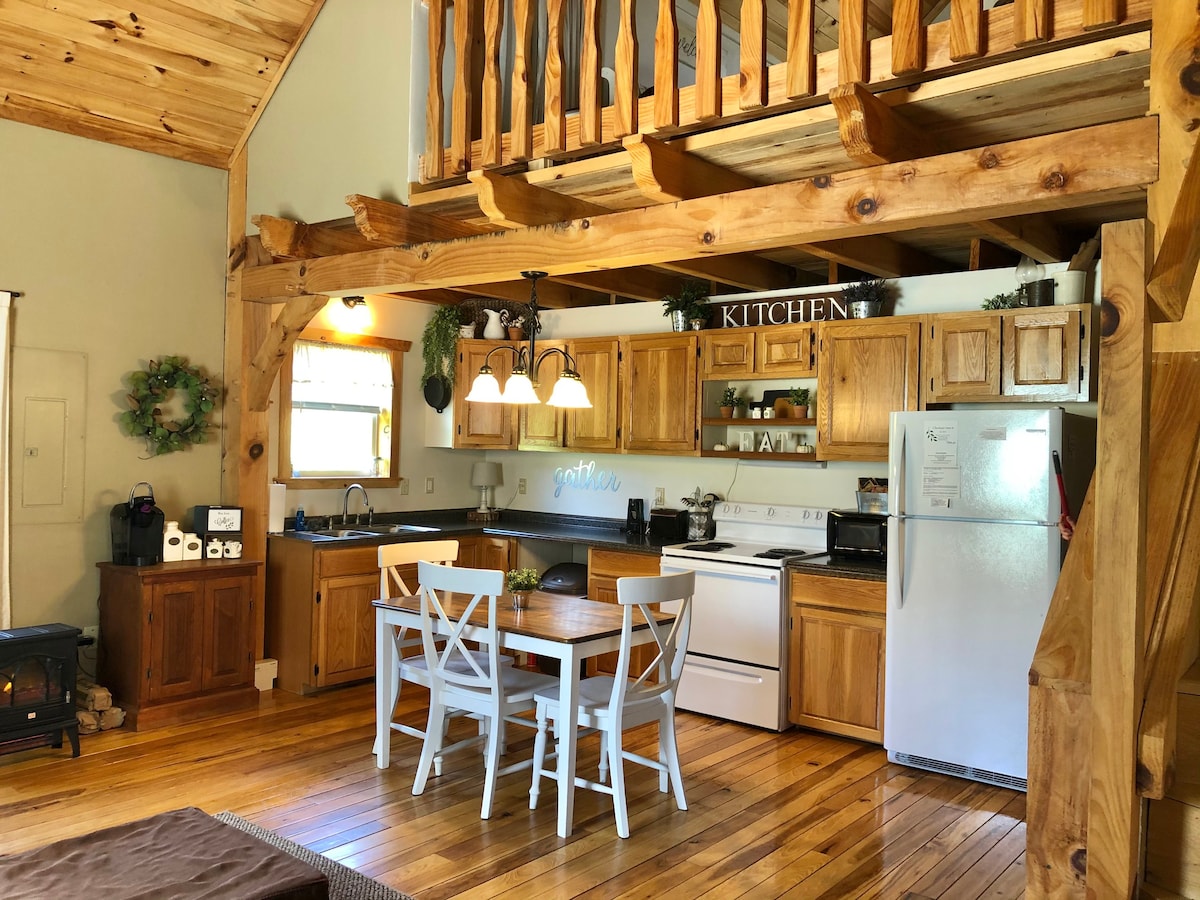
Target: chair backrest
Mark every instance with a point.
(483, 587)
(670, 639)
(393, 556)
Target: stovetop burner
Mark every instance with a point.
(781, 553)
(709, 546)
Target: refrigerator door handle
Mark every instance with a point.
(895, 561)
(896, 467)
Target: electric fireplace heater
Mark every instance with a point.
(37, 686)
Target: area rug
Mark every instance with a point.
(344, 883)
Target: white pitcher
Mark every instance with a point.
(494, 329)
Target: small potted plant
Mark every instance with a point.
(865, 298)
(687, 307)
(1002, 301)
(729, 400)
(739, 407)
(799, 400)
(520, 583)
(514, 324)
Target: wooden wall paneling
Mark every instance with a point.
(753, 63)
(800, 78)
(435, 102)
(708, 61)
(666, 66)
(625, 103)
(554, 133)
(589, 76)
(491, 102)
(966, 30)
(462, 107)
(1118, 638)
(908, 37)
(853, 48)
(1100, 14)
(1031, 21)
(521, 118)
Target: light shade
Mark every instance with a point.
(486, 474)
(518, 389)
(485, 388)
(569, 392)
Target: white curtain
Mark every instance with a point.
(5, 453)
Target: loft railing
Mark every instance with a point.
(480, 88)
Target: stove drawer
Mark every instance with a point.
(729, 690)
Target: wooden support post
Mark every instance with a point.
(492, 115)
(1118, 634)
(966, 30)
(625, 104)
(753, 61)
(435, 102)
(666, 67)
(522, 83)
(463, 93)
(853, 65)
(1031, 21)
(554, 129)
(708, 61)
(801, 76)
(986, 255)
(908, 37)
(589, 76)
(292, 319)
(1099, 14)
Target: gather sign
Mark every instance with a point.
(757, 310)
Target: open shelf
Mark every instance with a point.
(758, 423)
(750, 454)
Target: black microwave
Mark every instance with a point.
(852, 533)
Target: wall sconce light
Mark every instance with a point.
(352, 302)
(568, 392)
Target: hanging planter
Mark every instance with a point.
(151, 388)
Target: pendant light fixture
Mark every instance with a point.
(568, 392)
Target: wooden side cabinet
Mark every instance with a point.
(836, 655)
(482, 425)
(177, 639)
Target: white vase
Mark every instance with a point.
(494, 330)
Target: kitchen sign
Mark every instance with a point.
(776, 308)
(585, 477)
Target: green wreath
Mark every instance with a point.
(151, 386)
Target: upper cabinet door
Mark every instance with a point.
(786, 351)
(541, 426)
(962, 357)
(1042, 350)
(659, 393)
(596, 428)
(727, 353)
(869, 369)
(490, 425)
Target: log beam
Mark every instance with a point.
(297, 240)
(395, 224)
(293, 318)
(877, 255)
(1032, 236)
(1057, 171)
(1118, 637)
(872, 132)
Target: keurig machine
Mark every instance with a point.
(137, 529)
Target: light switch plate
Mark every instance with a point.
(429, 484)
(521, 486)
(660, 497)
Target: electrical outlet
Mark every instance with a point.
(521, 486)
(429, 484)
(92, 631)
(403, 487)
(660, 497)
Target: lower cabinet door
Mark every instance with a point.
(836, 680)
(229, 637)
(176, 639)
(345, 647)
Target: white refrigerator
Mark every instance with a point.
(973, 557)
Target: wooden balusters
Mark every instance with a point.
(666, 67)
(435, 108)
(708, 60)
(554, 129)
(966, 35)
(1099, 13)
(753, 70)
(492, 122)
(908, 37)
(461, 111)
(801, 77)
(1030, 20)
(589, 76)
(852, 43)
(522, 84)
(625, 103)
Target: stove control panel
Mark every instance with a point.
(803, 516)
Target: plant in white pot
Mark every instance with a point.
(865, 298)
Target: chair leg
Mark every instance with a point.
(612, 739)
(603, 762)
(669, 754)
(491, 765)
(432, 746)
(539, 754)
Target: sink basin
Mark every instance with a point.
(344, 532)
(396, 529)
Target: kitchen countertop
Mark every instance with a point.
(595, 532)
(840, 567)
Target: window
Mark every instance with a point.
(339, 400)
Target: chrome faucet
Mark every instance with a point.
(346, 502)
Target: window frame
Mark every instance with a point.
(396, 349)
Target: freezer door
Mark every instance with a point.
(975, 464)
(966, 602)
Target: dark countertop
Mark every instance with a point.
(840, 567)
(595, 532)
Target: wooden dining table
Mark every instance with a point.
(568, 629)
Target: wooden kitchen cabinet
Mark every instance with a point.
(836, 655)
(869, 369)
(482, 425)
(598, 363)
(659, 394)
(1042, 353)
(777, 351)
(540, 427)
(604, 568)
(177, 639)
(485, 551)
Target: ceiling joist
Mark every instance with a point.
(296, 240)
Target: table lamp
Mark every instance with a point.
(485, 476)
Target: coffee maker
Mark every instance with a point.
(137, 529)
(635, 517)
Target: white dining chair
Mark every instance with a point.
(611, 703)
(391, 584)
(459, 680)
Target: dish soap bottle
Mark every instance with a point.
(300, 518)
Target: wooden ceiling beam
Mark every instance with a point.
(297, 240)
(881, 256)
(872, 132)
(1081, 167)
(1032, 236)
(665, 174)
(395, 224)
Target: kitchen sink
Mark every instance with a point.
(360, 531)
(395, 529)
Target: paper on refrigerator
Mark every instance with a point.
(940, 472)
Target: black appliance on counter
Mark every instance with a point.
(635, 517)
(856, 534)
(668, 526)
(137, 529)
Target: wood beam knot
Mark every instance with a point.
(820, 182)
(1079, 862)
(988, 159)
(1189, 78)
(1110, 317)
(1056, 180)
(867, 206)
(256, 450)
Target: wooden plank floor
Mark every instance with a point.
(797, 815)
